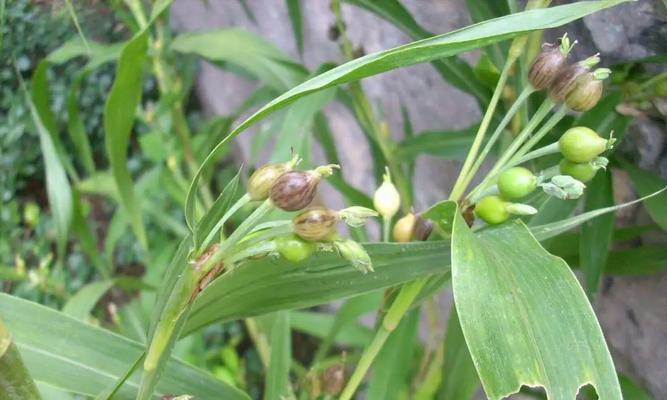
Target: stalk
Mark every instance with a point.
(548, 126)
(552, 148)
(232, 210)
(386, 228)
(398, 308)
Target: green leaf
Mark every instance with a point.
(646, 183)
(452, 69)
(393, 364)
(75, 20)
(245, 50)
(87, 238)
(82, 303)
(119, 115)
(15, 380)
(434, 48)
(58, 189)
(631, 390)
(266, 285)
(444, 144)
(69, 354)
(294, 11)
(75, 127)
(524, 316)
(639, 261)
(277, 376)
(217, 210)
(320, 325)
(596, 234)
(459, 377)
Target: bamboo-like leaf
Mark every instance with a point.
(277, 376)
(320, 325)
(434, 48)
(459, 377)
(15, 380)
(245, 50)
(75, 127)
(69, 354)
(444, 144)
(119, 112)
(267, 285)
(219, 208)
(75, 20)
(646, 183)
(294, 11)
(525, 318)
(82, 303)
(87, 238)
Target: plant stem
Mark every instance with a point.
(232, 210)
(399, 307)
(496, 134)
(548, 126)
(542, 151)
(460, 185)
(386, 228)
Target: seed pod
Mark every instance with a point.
(492, 210)
(566, 80)
(516, 182)
(263, 178)
(404, 228)
(294, 190)
(334, 379)
(315, 223)
(587, 90)
(583, 172)
(422, 229)
(546, 67)
(386, 199)
(293, 248)
(581, 144)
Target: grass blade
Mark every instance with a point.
(294, 11)
(15, 380)
(277, 377)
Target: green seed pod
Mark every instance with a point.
(263, 178)
(293, 248)
(355, 254)
(587, 90)
(315, 223)
(516, 182)
(546, 67)
(583, 172)
(294, 190)
(581, 144)
(422, 229)
(492, 210)
(404, 228)
(386, 199)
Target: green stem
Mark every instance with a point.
(552, 148)
(399, 307)
(386, 229)
(251, 251)
(496, 134)
(232, 210)
(546, 128)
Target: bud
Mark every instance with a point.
(293, 248)
(356, 216)
(581, 144)
(262, 179)
(587, 90)
(549, 63)
(520, 209)
(404, 228)
(315, 223)
(516, 182)
(386, 199)
(294, 190)
(334, 379)
(355, 254)
(492, 210)
(583, 172)
(422, 229)
(567, 78)
(564, 187)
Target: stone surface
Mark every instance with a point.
(632, 310)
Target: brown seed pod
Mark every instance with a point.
(315, 223)
(334, 379)
(262, 179)
(422, 229)
(585, 94)
(566, 81)
(294, 190)
(546, 67)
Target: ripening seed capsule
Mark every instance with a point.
(334, 379)
(404, 228)
(581, 144)
(262, 179)
(422, 229)
(586, 93)
(566, 81)
(386, 199)
(583, 172)
(315, 223)
(516, 182)
(492, 210)
(546, 67)
(293, 248)
(294, 190)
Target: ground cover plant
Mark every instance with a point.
(160, 269)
